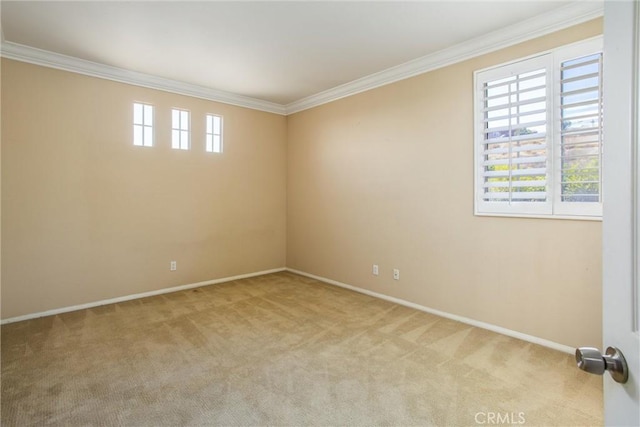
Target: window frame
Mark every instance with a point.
(212, 134)
(592, 210)
(553, 207)
(180, 129)
(143, 124)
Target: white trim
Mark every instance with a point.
(466, 320)
(636, 182)
(58, 61)
(549, 216)
(137, 296)
(488, 326)
(573, 14)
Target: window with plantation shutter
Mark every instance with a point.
(580, 152)
(538, 141)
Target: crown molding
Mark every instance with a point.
(567, 16)
(49, 59)
(561, 18)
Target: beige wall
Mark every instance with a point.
(386, 177)
(87, 216)
(382, 177)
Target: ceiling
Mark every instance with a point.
(278, 52)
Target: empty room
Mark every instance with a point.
(320, 213)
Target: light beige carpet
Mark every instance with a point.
(281, 350)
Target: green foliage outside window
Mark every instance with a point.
(580, 181)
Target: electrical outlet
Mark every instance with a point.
(396, 274)
(375, 269)
(173, 266)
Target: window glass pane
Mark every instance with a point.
(580, 84)
(532, 118)
(590, 95)
(209, 124)
(175, 139)
(137, 114)
(209, 143)
(492, 124)
(148, 136)
(137, 135)
(497, 113)
(148, 115)
(184, 140)
(580, 110)
(217, 122)
(217, 144)
(583, 123)
(497, 102)
(497, 90)
(184, 120)
(175, 119)
(500, 81)
(581, 60)
(532, 94)
(533, 83)
(569, 73)
(581, 178)
(534, 106)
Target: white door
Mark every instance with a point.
(621, 217)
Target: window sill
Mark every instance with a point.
(540, 216)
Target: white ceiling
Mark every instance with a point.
(279, 52)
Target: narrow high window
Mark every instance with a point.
(179, 129)
(214, 134)
(142, 125)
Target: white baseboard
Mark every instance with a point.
(136, 296)
(498, 329)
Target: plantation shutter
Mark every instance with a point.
(580, 177)
(514, 150)
(539, 135)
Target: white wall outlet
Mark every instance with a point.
(375, 270)
(173, 266)
(396, 274)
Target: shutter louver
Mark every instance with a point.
(581, 129)
(514, 146)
